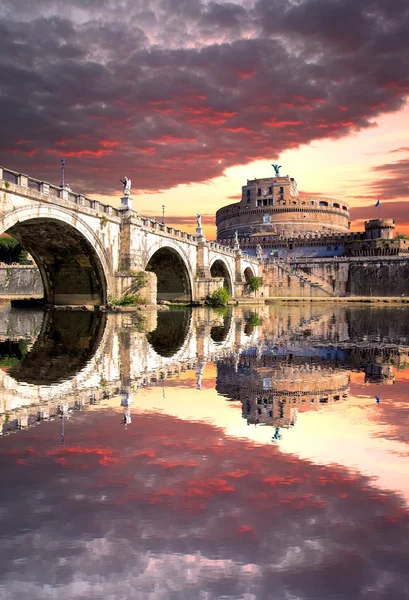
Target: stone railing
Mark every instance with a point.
(156, 227)
(53, 191)
(221, 248)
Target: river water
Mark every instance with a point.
(249, 454)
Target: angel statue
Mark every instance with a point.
(199, 221)
(127, 186)
(277, 169)
(236, 237)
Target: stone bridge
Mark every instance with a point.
(88, 252)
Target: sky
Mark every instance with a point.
(190, 98)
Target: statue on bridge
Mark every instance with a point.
(199, 221)
(127, 186)
(277, 169)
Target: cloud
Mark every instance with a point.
(118, 87)
(187, 512)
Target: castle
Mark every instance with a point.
(273, 220)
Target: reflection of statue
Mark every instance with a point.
(277, 169)
(127, 186)
(199, 221)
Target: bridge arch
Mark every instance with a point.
(220, 268)
(173, 270)
(248, 274)
(70, 257)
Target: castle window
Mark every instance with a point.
(281, 190)
(335, 205)
(312, 202)
(265, 202)
(259, 202)
(248, 192)
(344, 208)
(271, 202)
(259, 192)
(322, 203)
(270, 189)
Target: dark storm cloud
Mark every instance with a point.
(175, 91)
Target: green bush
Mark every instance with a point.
(128, 300)
(254, 283)
(219, 297)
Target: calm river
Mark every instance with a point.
(252, 454)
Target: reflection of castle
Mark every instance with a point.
(272, 395)
(271, 219)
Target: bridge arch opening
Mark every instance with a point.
(69, 265)
(171, 332)
(248, 274)
(65, 345)
(172, 274)
(219, 333)
(219, 269)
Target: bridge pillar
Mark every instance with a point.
(202, 268)
(22, 180)
(238, 266)
(129, 258)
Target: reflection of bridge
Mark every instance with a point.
(103, 355)
(287, 362)
(87, 251)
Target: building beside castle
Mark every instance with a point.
(273, 220)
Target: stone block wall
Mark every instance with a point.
(378, 279)
(20, 281)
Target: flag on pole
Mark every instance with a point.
(377, 203)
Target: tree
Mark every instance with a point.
(254, 283)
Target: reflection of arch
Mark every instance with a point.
(219, 333)
(248, 274)
(173, 274)
(220, 269)
(171, 332)
(71, 259)
(66, 343)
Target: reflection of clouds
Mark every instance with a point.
(179, 511)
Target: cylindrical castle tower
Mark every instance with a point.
(272, 206)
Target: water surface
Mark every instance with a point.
(194, 454)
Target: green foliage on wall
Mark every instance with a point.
(255, 283)
(219, 297)
(11, 251)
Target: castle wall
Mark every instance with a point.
(378, 279)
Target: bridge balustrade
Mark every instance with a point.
(55, 191)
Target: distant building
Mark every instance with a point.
(272, 216)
